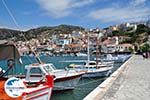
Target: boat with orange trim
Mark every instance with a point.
(13, 87)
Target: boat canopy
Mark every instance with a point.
(8, 50)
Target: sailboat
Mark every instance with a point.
(93, 68)
(12, 86)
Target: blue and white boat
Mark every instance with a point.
(81, 54)
(115, 58)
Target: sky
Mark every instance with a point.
(27, 14)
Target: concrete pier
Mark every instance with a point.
(130, 82)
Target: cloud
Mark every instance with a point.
(137, 2)
(61, 8)
(121, 14)
(82, 3)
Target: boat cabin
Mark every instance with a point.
(37, 72)
(91, 64)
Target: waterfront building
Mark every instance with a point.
(125, 47)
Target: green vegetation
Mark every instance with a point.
(139, 36)
(131, 49)
(145, 47)
(119, 33)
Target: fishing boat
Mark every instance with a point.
(64, 79)
(115, 58)
(81, 54)
(12, 86)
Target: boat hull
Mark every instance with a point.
(66, 83)
(97, 73)
(3, 95)
(121, 60)
(117, 59)
(43, 93)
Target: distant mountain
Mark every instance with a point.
(8, 34)
(37, 32)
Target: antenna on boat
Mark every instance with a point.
(17, 25)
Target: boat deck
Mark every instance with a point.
(63, 73)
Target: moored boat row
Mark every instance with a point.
(40, 77)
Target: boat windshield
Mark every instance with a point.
(48, 69)
(92, 63)
(35, 70)
(53, 66)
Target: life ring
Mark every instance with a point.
(10, 62)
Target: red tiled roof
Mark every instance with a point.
(126, 45)
(108, 41)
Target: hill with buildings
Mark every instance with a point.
(138, 33)
(40, 32)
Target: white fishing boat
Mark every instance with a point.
(64, 79)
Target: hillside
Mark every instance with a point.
(37, 32)
(10, 34)
(139, 36)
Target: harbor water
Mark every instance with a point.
(84, 86)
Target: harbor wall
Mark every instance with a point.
(99, 92)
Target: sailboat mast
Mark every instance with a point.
(97, 46)
(96, 53)
(88, 50)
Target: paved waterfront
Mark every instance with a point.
(133, 83)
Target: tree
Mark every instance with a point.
(115, 33)
(131, 49)
(145, 47)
